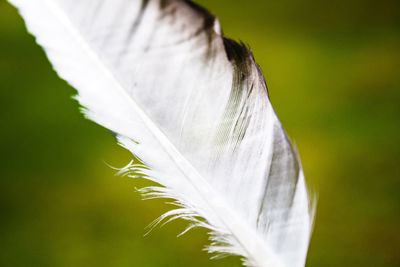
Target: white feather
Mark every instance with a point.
(193, 107)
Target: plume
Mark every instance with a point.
(193, 106)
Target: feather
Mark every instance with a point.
(193, 106)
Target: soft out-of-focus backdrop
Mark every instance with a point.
(333, 70)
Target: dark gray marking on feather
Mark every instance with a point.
(172, 10)
(165, 3)
(208, 26)
(237, 53)
(244, 118)
(134, 27)
(168, 10)
(263, 81)
(208, 17)
(235, 120)
(284, 169)
(240, 57)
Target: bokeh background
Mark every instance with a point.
(333, 73)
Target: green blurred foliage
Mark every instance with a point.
(333, 73)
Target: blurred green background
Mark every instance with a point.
(333, 73)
